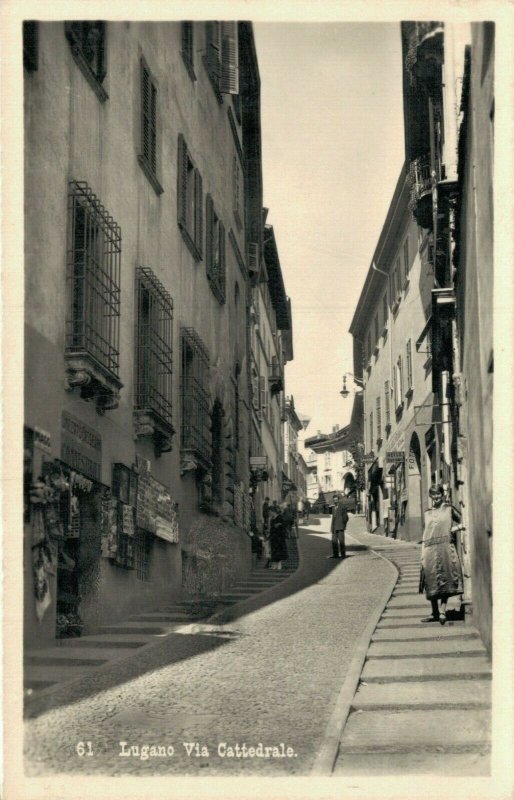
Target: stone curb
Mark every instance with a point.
(329, 749)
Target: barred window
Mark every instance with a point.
(148, 149)
(379, 417)
(93, 279)
(188, 48)
(215, 251)
(87, 43)
(194, 395)
(387, 403)
(409, 366)
(189, 200)
(154, 343)
(142, 550)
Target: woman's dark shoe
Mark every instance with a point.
(431, 618)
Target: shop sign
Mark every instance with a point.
(81, 447)
(368, 458)
(42, 440)
(154, 503)
(258, 462)
(404, 495)
(395, 457)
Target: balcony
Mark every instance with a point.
(425, 53)
(422, 177)
(275, 378)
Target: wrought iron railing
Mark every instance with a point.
(422, 178)
(195, 434)
(93, 279)
(154, 344)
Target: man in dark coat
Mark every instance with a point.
(265, 515)
(277, 537)
(338, 527)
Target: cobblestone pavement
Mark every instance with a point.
(269, 677)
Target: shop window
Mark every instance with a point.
(154, 358)
(87, 42)
(195, 435)
(31, 46)
(215, 252)
(189, 200)
(93, 296)
(142, 551)
(187, 32)
(148, 148)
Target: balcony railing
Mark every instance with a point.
(275, 376)
(423, 177)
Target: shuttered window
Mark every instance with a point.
(379, 417)
(196, 422)
(387, 403)
(87, 40)
(187, 33)
(237, 190)
(222, 57)
(148, 150)
(398, 383)
(371, 430)
(406, 264)
(409, 365)
(385, 309)
(189, 200)
(215, 251)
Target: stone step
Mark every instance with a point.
(53, 674)
(428, 694)
(71, 658)
(147, 628)
(469, 764)
(427, 647)
(415, 669)
(101, 640)
(417, 632)
(164, 617)
(409, 730)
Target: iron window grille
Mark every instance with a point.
(215, 251)
(93, 280)
(189, 200)
(148, 153)
(154, 343)
(87, 41)
(142, 551)
(194, 395)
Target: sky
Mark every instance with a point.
(333, 147)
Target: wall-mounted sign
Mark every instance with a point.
(127, 517)
(395, 457)
(81, 447)
(43, 440)
(154, 503)
(259, 462)
(368, 458)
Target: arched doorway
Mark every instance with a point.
(413, 512)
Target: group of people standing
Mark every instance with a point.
(279, 523)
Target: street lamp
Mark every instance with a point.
(344, 391)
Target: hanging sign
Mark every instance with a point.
(81, 447)
(154, 502)
(395, 457)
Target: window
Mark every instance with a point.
(377, 334)
(87, 43)
(148, 150)
(327, 460)
(379, 418)
(394, 288)
(368, 347)
(406, 265)
(262, 387)
(222, 59)
(195, 435)
(385, 309)
(398, 383)
(143, 546)
(30, 45)
(93, 280)
(189, 200)
(409, 366)
(154, 353)
(215, 251)
(387, 404)
(188, 48)
(371, 430)
(238, 190)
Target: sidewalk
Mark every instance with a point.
(423, 702)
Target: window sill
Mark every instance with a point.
(388, 428)
(213, 81)
(88, 73)
(409, 393)
(192, 247)
(94, 381)
(148, 423)
(189, 66)
(150, 175)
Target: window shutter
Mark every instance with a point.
(213, 49)
(409, 364)
(198, 211)
(145, 112)
(209, 211)
(187, 41)
(153, 127)
(221, 275)
(253, 257)
(229, 59)
(379, 418)
(182, 182)
(387, 403)
(371, 430)
(262, 384)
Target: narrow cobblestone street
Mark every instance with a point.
(269, 677)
